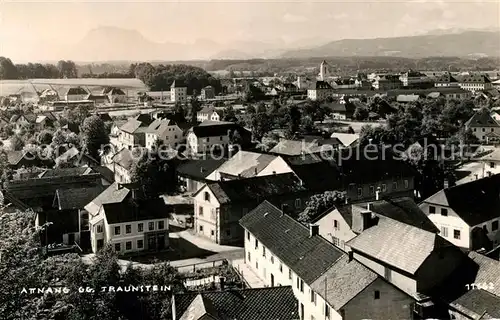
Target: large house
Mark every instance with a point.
(347, 139)
(130, 226)
(219, 205)
(320, 91)
(122, 163)
(210, 135)
(484, 127)
(387, 82)
(76, 94)
(193, 173)
(163, 132)
(245, 164)
(114, 95)
(475, 82)
(328, 283)
(207, 93)
(208, 113)
(468, 214)
(38, 121)
(446, 80)
(178, 91)
(133, 132)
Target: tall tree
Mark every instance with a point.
(94, 135)
(229, 114)
(195, 107)
(7, 69)
(318, 203)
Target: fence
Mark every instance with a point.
(201, 265)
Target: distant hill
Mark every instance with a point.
(463, 44)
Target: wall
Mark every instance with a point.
(480, 132)
(437, 267)
(369, 193)
(343, 233)
(178, 94)
(452, 222)
(208, 221)
(393, 303)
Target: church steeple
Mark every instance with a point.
(323, 71)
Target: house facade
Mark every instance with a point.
(208, 113)
(208, 93)
(178, 91)
(320, 91)
(163, 132)
(475, 82)
(483, 125)
(76, 94)
(213, 135)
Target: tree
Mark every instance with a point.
(360, 113)
(261, 108)
(319, 203)
(7, 69)
(252, 93)
(260, 124)
(44, 137)
(195, 107)
(293, 120)
(67, 69)
(94, 135)
(251, 109)
(16, 143)
(76, 115)
(229, 114)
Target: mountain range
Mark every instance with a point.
(112, 43)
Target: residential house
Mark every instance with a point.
(407, 98)
(38, 121)
(347, 139)
(344, 222)
(97, 99)
(219, 205)
(446, 80)
(287, 147)
(414, 260)
(133, 133)
(481, 124)
(288, 87)
(210, 135)
(115, 193)
(327, 283)
(490, 162)
(163, 132)
(304, 83)
(123, 162)
(75, 158)
(467, 214)
(320, 91)
(387, 82)
(208, 93)
(340, 111)
(475, 82)
(76, 94)
(245, 164)
(178, 91)
(115, 127)
(193, 173)
(131, 226)
(279, 303)
(115, 95)
(208, 113)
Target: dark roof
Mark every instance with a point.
(76, 198)
(106, 173)
(146, 119)
(309, 257)
(475, 78)
(316, 175)
(65, 172)
(199, 169)
(218, 128)
(105, 117)
(14, 157)
(246, 164)
(128, 211)
(478, 302)
(116, 91)
(482, 119)
(132, 125)
(344, 210)
(76, 90)
(446, 78)
(277, 303)
(403, 210)
(253, 189)
(474, 202)
(115, 193)
(322, 85)
(178, 84)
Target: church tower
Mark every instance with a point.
(323, 71)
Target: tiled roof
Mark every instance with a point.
(346, 138)
(66, 172)
(475, 78)
(446, 78)
(106, 173)
(14, 157)
(116, 91)
(127, 211)
(476, 303)
(492, 156)
(199, 169)
(113, 194)
(218, 128)
(475, 202)
(247, 164)
(309, 257)
(253, 189)
(276, 303)
(488, 272)
(398, 244)
(482, 119)
(131, 126)
(158, 126)
(76, 90)
(322, 85)
(296, 147)
(207, 109)
(343, 281)
(76, 198)
(144, 118)
(320, 175)
(403, 210)
(125, 157)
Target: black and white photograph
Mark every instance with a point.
(249, 159)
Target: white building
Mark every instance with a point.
(324, 72)
(320, 91)
(164, 132)
(468, 214)
(131, 226)
(178, 91)
(212, 134)
(475, 82)
(484, 127)
(208, 113)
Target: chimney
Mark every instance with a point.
(255, 171)
(366, 217)
(377, 194)
(239, 175)
(274, 172)
(313, 230)
(346, 200)
(351, 255)
(476, 176)
(284, 209)
(489, 173)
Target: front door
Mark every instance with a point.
(161, 241)
(151, 242)
(71, 239)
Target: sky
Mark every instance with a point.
(26, 27)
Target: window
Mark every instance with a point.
(117, 230)
(272, 259)
(207, 139)
(140, 244)
(281, 267)
(256, 243)
(212, 233)
(249, 257)
(128, 245)
(99, 228)
(301, 285)
(394, 185)
(264, 251)
(298, 203)
(327, 311)
(444, 232)
(200, 211)
(335, 224)
(290, 274)
(360, 192)
(313, 297)
(117, 247)
(372, 190)
(140, 227)
(248, 235)
(492, 130)
(444, 212)
(257, 264)
(161, 225)
(151, 226)
(494, 226)
(456, 234)
(492, 164)
(207, 196)
(483, 129)
(128, 228)
(376, 295)
(384, 188)
(221, 138)
(432, 209)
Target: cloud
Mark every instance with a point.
(291, 18)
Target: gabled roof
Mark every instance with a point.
(446, 78)
(178, 84)
(128, 211)
(113, 194)
(404, 210)
(478, 303)
(398, 244)
(475, 78)
(66, 172)
(246, 164)
(132, 125)
(309, 257)
(253, 189)
(125, 158)
(207, 109)
(474, 202)
(322, 85)
(276, 303)
(488, 272)
(482, 119)
(116, 91)
(296, 147)
(159, 126)
(199, 169)
(346, 138)
(492, 156)
(76, 198)
(76, 90)
(15, 156)
(218, 128)
(343, 281)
